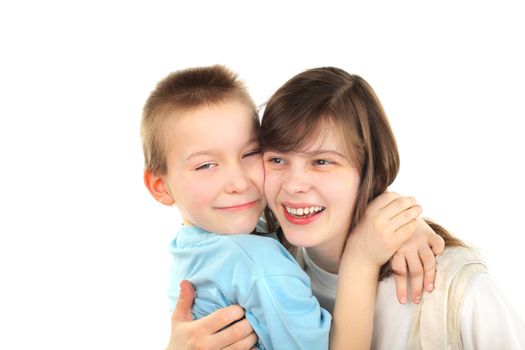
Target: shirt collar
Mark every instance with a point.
(189, 235)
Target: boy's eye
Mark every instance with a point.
(252, 153)
(206, 166)
(322, 162)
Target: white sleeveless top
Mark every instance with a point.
(486, 320)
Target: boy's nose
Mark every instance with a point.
(236, 181)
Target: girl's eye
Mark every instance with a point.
(322, 162)
(252, 153)
(276, 160)
(206, 166)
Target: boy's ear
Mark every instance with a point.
(158, 188)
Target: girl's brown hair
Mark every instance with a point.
(330, 96)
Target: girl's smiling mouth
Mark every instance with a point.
(302, 214)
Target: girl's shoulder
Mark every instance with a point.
(438, 315)
(455, 259)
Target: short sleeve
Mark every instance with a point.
(285, 315)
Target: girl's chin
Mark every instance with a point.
(299, 240)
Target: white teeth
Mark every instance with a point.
(304, 211)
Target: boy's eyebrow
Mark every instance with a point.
(254, 140)
(199, 153)
(207, 152)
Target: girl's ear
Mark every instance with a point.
(158, 188)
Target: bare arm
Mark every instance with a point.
(389, 221)
(209, 332)
(352, 321)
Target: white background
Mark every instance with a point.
(84, 249)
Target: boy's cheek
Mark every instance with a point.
(257, 174)
(264, 203)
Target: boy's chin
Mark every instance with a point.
(240, 228)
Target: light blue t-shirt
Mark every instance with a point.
(257, 273)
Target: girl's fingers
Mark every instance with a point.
(405, 217)
(239, 336)
(247, 343)
(182, 310)
(220, 319)
(383, 200)
(399, 266)
(397, 206)
(404, 232)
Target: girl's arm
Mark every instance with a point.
(209, 332)
(389, 221)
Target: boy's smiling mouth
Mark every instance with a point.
(238, 207)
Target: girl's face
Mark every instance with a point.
(312, 191)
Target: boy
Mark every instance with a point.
(200, 139)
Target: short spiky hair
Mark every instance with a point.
(181, 91)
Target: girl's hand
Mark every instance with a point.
(417, 257)
(389, 221)
(209, 332)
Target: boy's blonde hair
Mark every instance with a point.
(182, 91)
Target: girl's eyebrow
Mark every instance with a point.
(323, 151)
(310, 153)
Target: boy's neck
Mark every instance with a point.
(186, 222)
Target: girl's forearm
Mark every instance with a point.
(353, 315)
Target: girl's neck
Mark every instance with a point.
(327, 256)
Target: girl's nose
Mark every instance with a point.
(296, 181)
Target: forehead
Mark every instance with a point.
(325, 136)
(210, 126)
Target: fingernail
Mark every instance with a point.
(417, 300)
(430, 287)
(403, 300)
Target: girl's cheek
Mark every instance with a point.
(270, 185)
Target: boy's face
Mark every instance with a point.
(215, 170)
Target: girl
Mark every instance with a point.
(328, 143)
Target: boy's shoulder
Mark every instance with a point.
(263, 248)
(257, 242)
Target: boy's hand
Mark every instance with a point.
(418, 254)
(390, 220)
(208, 332)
